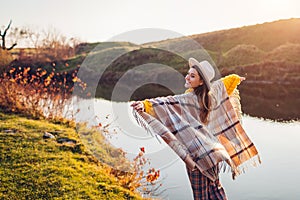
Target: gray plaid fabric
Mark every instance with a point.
(222, 140)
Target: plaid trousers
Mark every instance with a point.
(204, 188)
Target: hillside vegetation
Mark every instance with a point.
(250, 44)
(266, 36)
(259, 44)
(277, 41)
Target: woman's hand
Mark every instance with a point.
(242, 78)
(138, 106)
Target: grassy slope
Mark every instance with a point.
(34, 168)
(266, 36)
(249, 44)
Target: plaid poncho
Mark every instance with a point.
(206, 147)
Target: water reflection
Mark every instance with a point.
(271, 101)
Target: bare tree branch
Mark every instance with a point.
(12, 46)
(3, 46)
(5, 31)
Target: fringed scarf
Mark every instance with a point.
(204, 147)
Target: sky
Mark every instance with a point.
(99, 20)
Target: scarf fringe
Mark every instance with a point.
(226, 167)
(254, 161)
(144, 124)
(241, 169)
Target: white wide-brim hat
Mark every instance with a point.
(206, 71)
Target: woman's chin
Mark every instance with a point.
(186, 85)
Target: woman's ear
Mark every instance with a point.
(201, 82)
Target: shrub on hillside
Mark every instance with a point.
(241, 55)
(37, 93)
(5, 59)
(288, 52)
(133, 175)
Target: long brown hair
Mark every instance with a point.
(203, 98)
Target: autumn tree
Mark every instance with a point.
(55, 45)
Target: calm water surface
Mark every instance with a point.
(278, 144)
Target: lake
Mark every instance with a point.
(276, 178)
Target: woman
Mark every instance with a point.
(202, 127)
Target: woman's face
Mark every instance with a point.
(192, 79)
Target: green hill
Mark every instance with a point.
(266, 36)
(32, 167)
(85, 48)
(257, 40)
(267, 42)
(248, 44)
